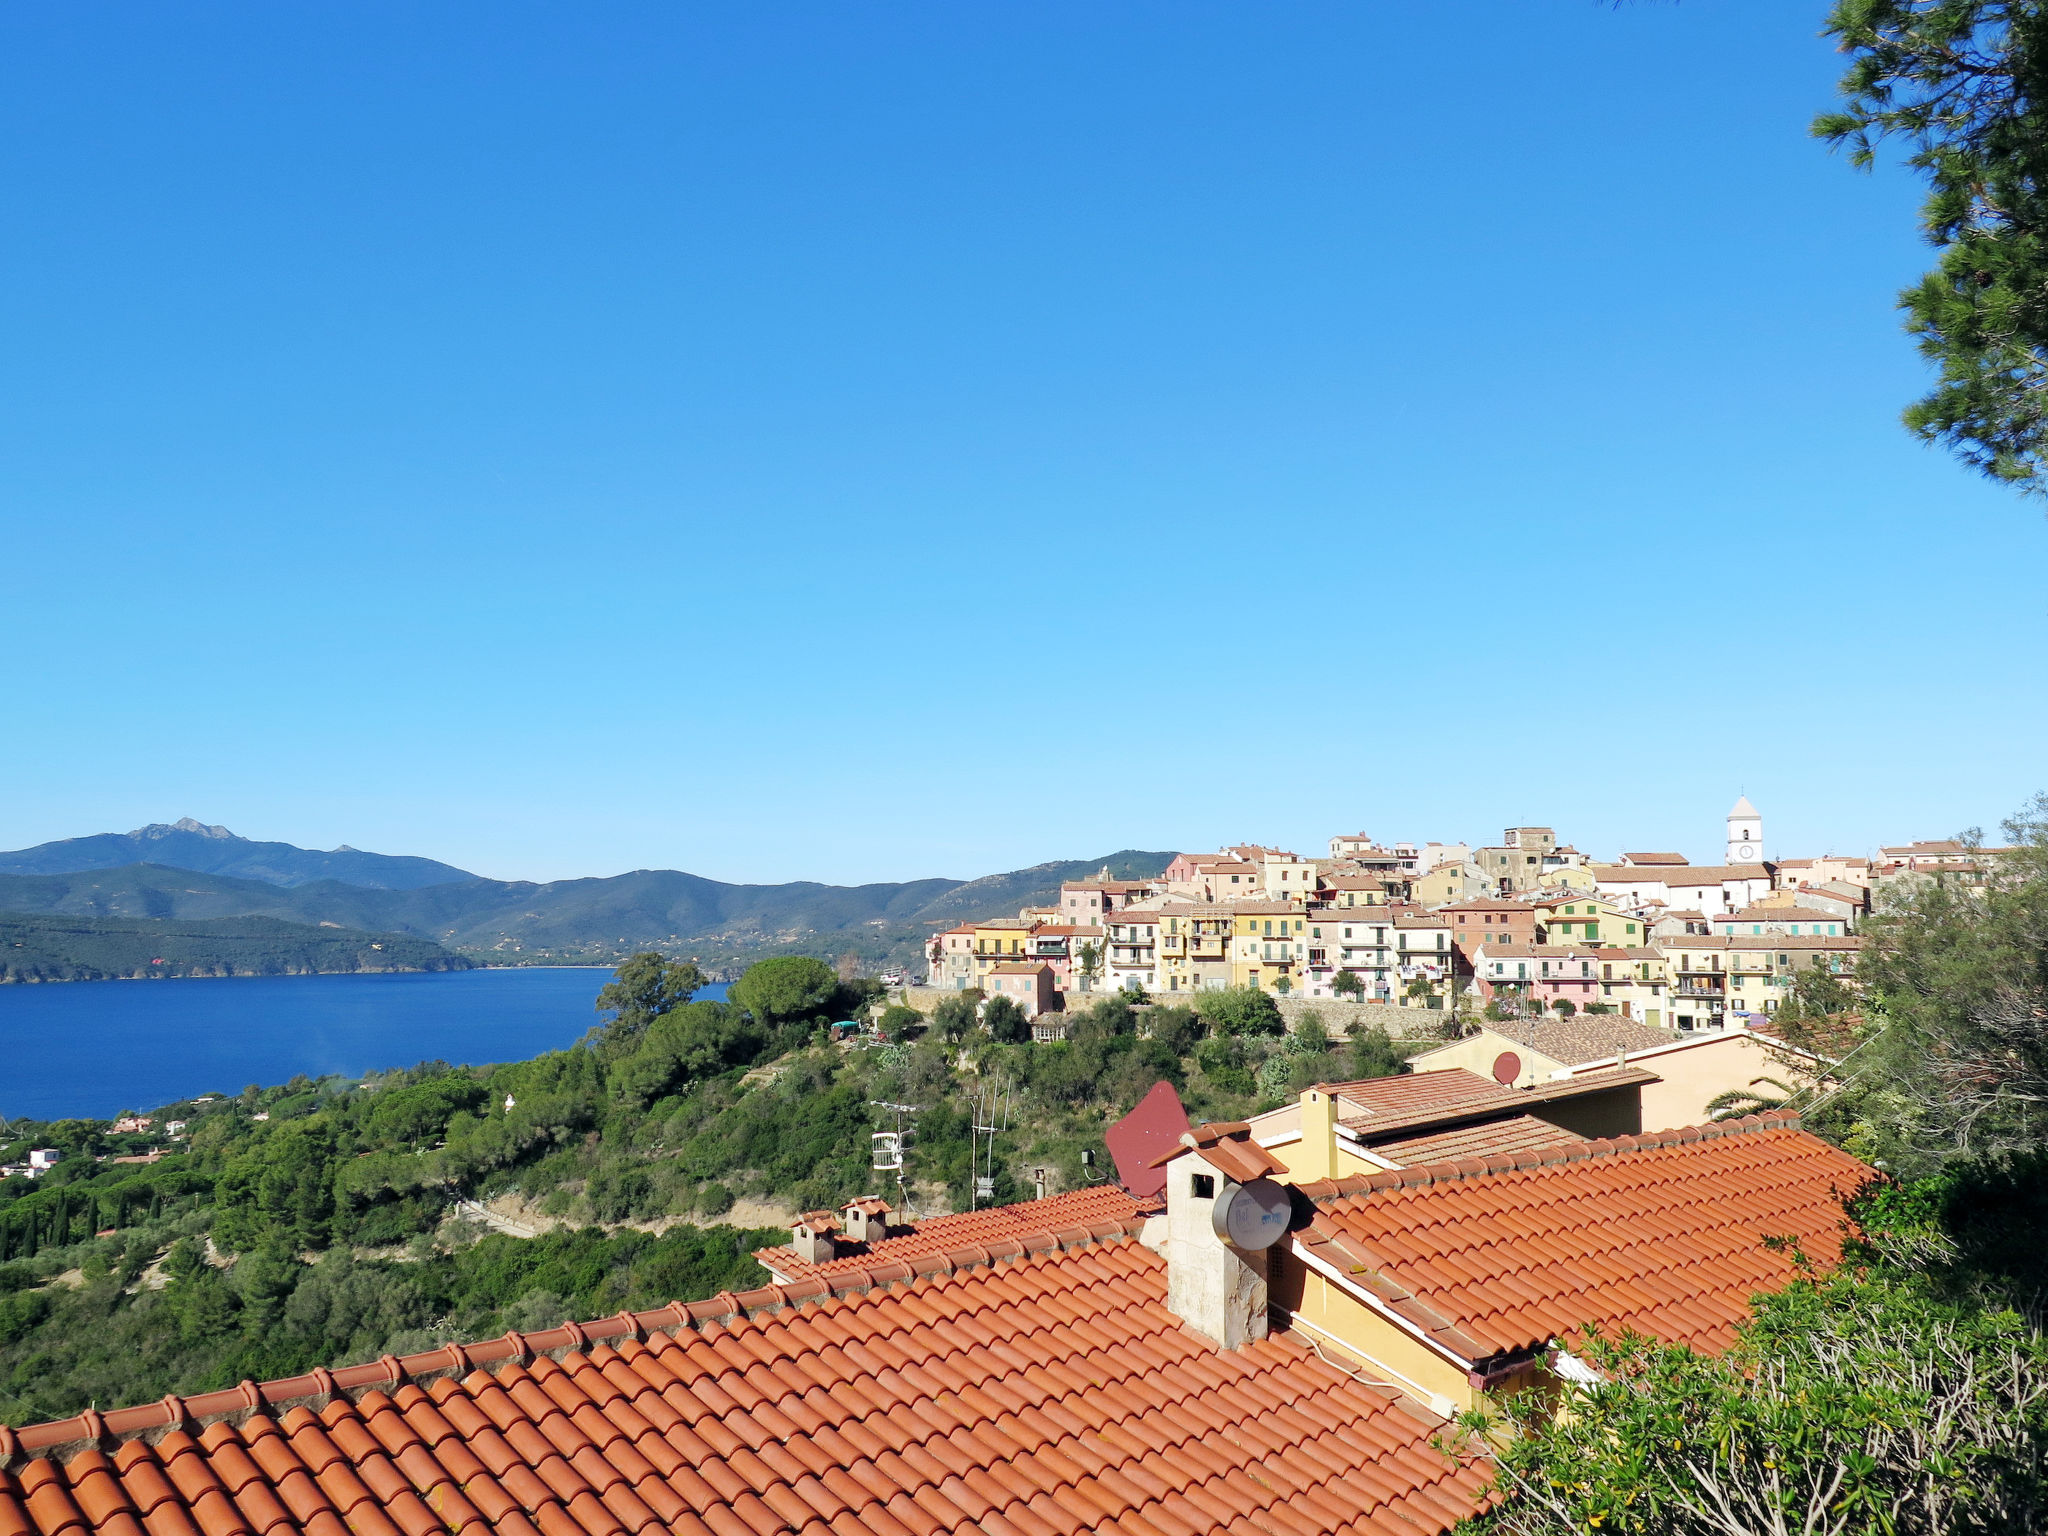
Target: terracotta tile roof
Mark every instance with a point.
(1663, 1233)
(1019, 968)
(1520, 1133)
(1413, 1090)
(1105, 1206)
(1583, 1037)
(1046, 1396)
(1680, 877)
(1379, 1107)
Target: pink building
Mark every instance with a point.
(1537, 974)
(1027, 983)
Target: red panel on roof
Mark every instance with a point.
(1151, 1130)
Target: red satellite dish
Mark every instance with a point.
(1151, 1130)
(1507, 1066)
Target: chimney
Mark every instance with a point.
(1318, 1133)
(814, 1237)
(867, 1219)
(1223, 1212)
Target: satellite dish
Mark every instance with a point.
(1507, 1066)
(1252, 1216)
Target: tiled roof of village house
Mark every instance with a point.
(1019, 968)
(1664, 1234)
(1521, 1133)
(1100, 1210)
(1379, 1106)
(1684, 876)
(1655, 858)
(1757, 914)
(1583, 1037)
(1043, 1396)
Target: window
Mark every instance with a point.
(1205, 1186)
(1315, 933)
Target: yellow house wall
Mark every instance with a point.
(1359, 1331)
(1478, 1052)
(1694, 1076)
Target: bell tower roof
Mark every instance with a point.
(1742, 808)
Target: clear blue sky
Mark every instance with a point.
(862, 442)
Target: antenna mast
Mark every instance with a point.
(888, 1151)
(991, 1118)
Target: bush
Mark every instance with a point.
(1241, 1011)
(898, 1021)
(714, 1200)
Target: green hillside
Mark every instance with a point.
(44, 947)
(725, 927)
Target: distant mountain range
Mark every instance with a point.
(187, 870)
(190, 844)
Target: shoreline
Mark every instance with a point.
(396, 970)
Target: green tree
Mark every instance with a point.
(1961, 84)
(786, 989)
(1006, 1022)
(1372, 1052)
(1241, 1011)
(1903, 1394)
(1347, 984)
(641, 990)
(1955, 971)
(954, 1019)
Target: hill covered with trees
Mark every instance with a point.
(36, 947)
(723, 926)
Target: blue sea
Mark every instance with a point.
(94, 1048)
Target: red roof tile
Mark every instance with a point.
(1050, 1393)
(1377, 1106)
(1563, 1239)
(1520, 1133)
(1096, 1204)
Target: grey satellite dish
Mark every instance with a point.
(1252, 1216)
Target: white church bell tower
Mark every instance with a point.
(1745, 834)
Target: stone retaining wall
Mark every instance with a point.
(1338, 1014)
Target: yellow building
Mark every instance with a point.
(1194, 947)
(1269, 945)
(1448, 882)
(1580, 917)
(998, 939)
(1635, 980)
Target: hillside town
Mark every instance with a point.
(1527, 926)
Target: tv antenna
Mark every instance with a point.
(887, 1147)
(991, 1104)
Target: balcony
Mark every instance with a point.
(1702, 986)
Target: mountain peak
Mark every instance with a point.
(182, 824)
